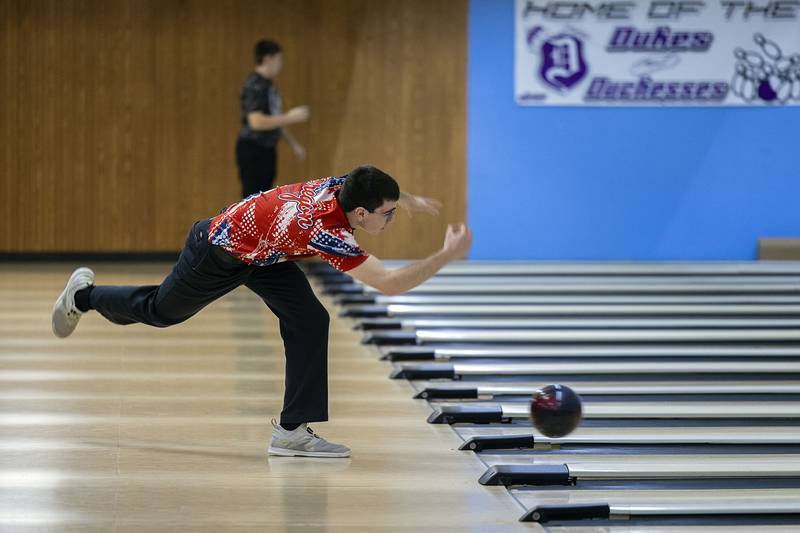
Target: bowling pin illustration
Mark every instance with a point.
(774, 80)
(766, 90)
(739, 79)
(749, 86)
(751, 58)
(783, 89)
(796, 85)
(783, 65)
(769, 47)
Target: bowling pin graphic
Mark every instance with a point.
(795, 76)
(796, 84)
(765, 91)
(751, 58)
(769, 47)
(770, 91)
(783, 65)
(739, 78)
(749, 85)
(783, 89)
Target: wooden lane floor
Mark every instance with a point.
(134, 428)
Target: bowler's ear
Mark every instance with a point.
(360, 212)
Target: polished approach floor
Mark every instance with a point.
(142, 429)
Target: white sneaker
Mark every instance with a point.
(303, 442)
(65, 314)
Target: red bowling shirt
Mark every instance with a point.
(287, 223)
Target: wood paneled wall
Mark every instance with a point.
(118, 118)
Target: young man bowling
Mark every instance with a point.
(254, 243)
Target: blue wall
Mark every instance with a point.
(603, 183)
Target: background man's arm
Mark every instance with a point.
(259, 121)
(297, 148)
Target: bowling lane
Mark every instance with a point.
(511, 391)
(709, 504)
(488, 437)
(710, 370)
(577, 323)
(564, 487)
(591, 268)
(618, 412)
(509, 336)
(690, 381)
(631, 466)
(465, 353)
(480, 286)
(510, 310)
(355, 300)
(332, 284)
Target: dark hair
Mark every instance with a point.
(263, 48)
(367, 187)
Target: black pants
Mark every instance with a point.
(257, 166)
(205, 272)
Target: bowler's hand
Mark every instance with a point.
(412, 203)
(457, 240)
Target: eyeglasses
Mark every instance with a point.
(388, 215)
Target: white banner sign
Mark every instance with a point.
(711, 53)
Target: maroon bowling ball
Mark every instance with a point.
(556, 410)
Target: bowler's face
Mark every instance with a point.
(379, 219)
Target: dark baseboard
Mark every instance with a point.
(119, 257)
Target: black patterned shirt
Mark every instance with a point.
(260, 94)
